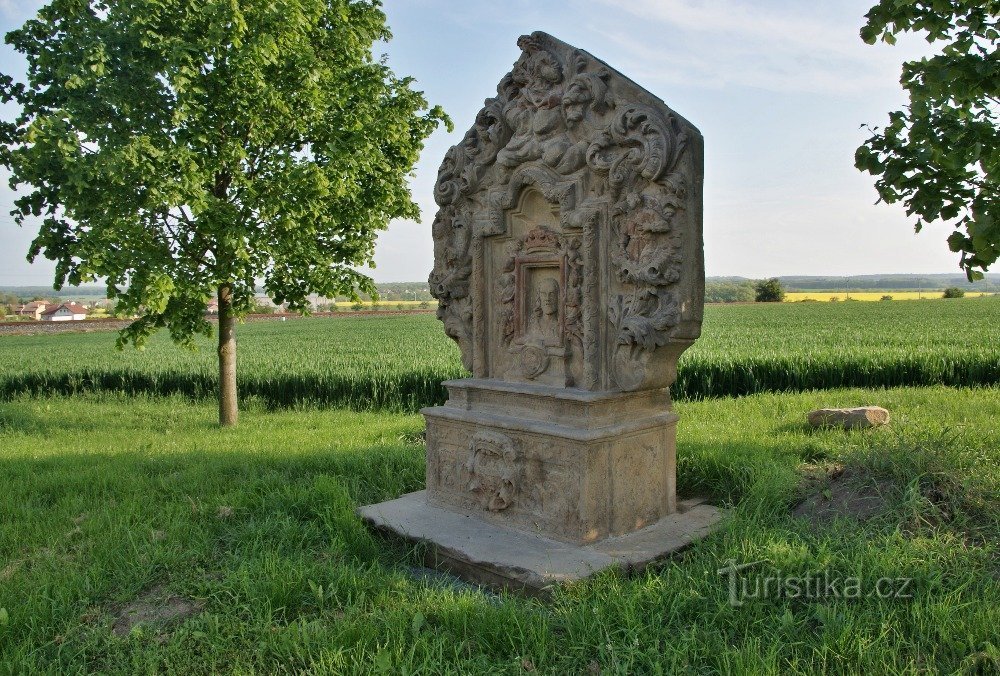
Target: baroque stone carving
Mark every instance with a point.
(620, 174)
(495, 470)
(546, 318)
(568, 268)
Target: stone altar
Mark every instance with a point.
(568, 267)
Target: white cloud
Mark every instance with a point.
(19, 10)
(735, 19)
(716, 43)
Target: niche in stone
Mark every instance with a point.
(534, 331)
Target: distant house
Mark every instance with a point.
(34, 309)
(212, 307)
(65, 312)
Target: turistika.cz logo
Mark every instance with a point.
(773, 584)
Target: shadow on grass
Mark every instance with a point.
(737, 472)
(286, 577)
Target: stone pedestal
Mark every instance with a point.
(568, 267)
(531, 485)
(570, 465)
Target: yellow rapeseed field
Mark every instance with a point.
(797, 296)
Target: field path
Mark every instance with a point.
(34, 328)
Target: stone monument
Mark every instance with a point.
(568, 267)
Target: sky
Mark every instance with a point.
(780, 89)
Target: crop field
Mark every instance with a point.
(140, 537)
(398, 362)
(794, 347)
(393, 362)
(799, 296)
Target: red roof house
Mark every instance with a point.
(33, 309)
(65, 312)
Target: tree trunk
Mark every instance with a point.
(228, 411)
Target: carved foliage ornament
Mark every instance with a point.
(568, 114)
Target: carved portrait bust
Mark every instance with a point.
(568, 242)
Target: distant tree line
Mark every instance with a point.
(729, 292)
(717, 289)
(397, 291)
(889, 283)
(744, 290)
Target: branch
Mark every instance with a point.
(179, 243)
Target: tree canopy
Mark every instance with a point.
(940, 156)
(769, 291)
(185, 149)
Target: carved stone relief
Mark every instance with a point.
(495, 469)
(540, 297)
(622, 175)
(568, 268)
(528, 479)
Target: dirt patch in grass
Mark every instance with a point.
(154, 607)
(837, 491)
(9, 569)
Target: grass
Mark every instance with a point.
(367, 363)
(792, 347)
(398, 362)
(107, 498)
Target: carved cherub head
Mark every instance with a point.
(537, 74)
(585, 88)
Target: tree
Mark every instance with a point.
(729, 292)
(940, 155)
(185, 149)
(261, 308)
(769, 291)
(953, 292)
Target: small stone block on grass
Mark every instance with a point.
(861, 417)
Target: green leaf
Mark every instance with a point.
(417, 623)
(937, 155)
(383, 662)
(957, 241)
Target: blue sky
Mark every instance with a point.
(779, 88)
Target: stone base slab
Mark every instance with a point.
(496, 556)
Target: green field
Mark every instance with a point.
(107, 499)
(239, 549)
(397, 363)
